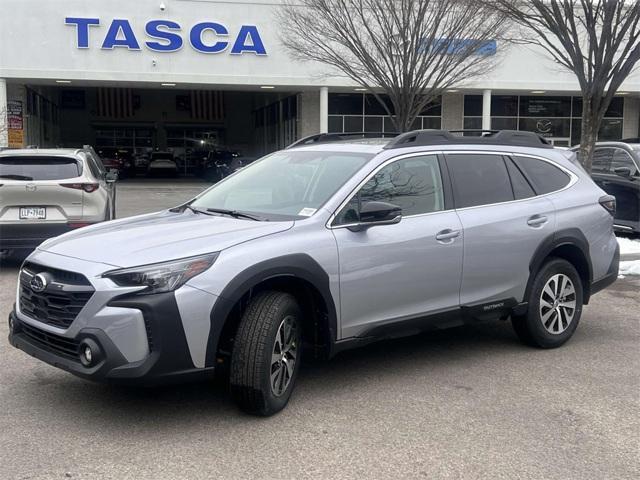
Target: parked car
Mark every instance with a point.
(162, 163)
(327, 246)
(219, 164)
(47, 192)
(119, 159)
(616, 169)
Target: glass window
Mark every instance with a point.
(473, 105)
(345, 103)
(353, 124)
(504, 105)
(479, 179)
(545, 106)
(389, 125)
(610, 129)
(616, 107)
(432, 109)
(29, 168)
(335, 124)
(472, 123)
(602, 160)
(547, 127)
(500, 123)
(287, 184)
(414, 184)
(543, 176)
(431, 123)
(373, 107)
(373, 124)
(622, 159)
(521, 187)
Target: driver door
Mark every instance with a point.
(394, 273)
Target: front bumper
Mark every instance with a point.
(168, 360)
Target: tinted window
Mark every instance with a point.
(414, 184)
(622, 159)
(38, 168)
(602, 160)
(543, 176)
(479, 179)
(521, 187)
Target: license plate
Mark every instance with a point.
(33, 213)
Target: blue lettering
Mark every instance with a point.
(174, 40)
(248, 32)
(196, 37)
(128, 39)
(82, 29)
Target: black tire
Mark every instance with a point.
(251, 359)
(530, 327)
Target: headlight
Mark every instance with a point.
(162, 277)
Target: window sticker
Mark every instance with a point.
(307, 212)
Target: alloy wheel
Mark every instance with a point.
(557, 304)
(284, 355)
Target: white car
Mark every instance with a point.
(162, 163)
(44, 193)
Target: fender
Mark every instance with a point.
(568, 236)
(296, 265)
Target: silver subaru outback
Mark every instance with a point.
(323, 247)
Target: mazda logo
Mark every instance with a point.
(544, 126)
(38, 283)
(31, 187)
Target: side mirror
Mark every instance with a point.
(111, 176)
(623, 171)
(377, 213)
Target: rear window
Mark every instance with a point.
(544, 177)
(29, 168)
(479, 179)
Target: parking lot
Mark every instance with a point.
(469, 402)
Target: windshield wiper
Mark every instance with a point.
(16, 177)
(232, 213)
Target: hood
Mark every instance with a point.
(158, 237)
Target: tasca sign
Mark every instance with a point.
(166, 36)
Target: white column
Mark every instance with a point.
(324, 110)
(486, 110)
(4, 127)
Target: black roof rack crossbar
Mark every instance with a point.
(338, 137)
(514, 138)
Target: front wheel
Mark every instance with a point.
(555, 306)
(266, 353)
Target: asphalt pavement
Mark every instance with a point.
(470, 403)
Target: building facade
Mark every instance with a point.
(173, 74)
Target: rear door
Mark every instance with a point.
(503, 222)
(626, 189)
(33, 189)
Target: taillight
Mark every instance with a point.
(87, 187)
(608, 202)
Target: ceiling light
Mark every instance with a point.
(168, 84)
(360, 89)
(453, 91)
(538, 91)
(267, 87)
(622, 93)
(63, 81)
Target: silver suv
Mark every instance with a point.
(326, 246)
(46, 192)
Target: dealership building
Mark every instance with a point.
(176, 74)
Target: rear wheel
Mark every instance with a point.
(555, 306)
(266, 353)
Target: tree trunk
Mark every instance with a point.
(589, 134)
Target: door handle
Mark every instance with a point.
(447, 234)
(537, 220)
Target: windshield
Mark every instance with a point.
(287, 183)
(28, 168)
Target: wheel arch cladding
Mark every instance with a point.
(285, 273)
(571, 245)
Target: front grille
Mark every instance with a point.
(53, 343)
(66, 293)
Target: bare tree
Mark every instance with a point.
(410, 50)
(599, 41)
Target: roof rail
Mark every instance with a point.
(338, 137)
(487, 137)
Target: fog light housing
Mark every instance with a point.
(90, 353)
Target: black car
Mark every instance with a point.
(616, 169)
